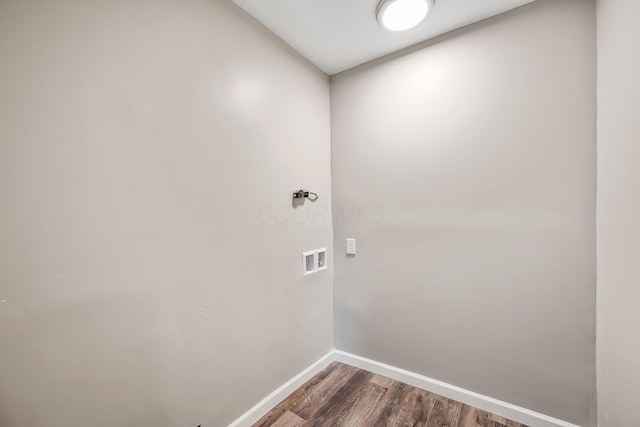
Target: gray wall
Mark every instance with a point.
(144, 145)
(466, 169)
(618, 212)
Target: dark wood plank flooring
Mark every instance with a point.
(344, 396)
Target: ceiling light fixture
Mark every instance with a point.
(402, 15)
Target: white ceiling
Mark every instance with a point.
(339, 34)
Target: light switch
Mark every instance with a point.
(351, 246)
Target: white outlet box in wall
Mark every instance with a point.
(314, 261)
(322, 259)
(309, 263)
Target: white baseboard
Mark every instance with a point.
(254, 414)
(494, 406)
(503, 409)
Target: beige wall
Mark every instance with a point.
(618, 212)
(472, 163)
(140, 141)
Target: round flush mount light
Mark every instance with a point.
(402, 15)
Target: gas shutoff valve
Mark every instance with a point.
(305, 194)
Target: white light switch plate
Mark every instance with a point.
(351, 246)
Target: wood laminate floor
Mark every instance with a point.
(344, 396)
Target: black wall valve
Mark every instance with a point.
(304, 194)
